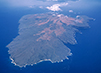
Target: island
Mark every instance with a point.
(42, 37)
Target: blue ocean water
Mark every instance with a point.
(86, 54)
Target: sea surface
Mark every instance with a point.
(86, 56)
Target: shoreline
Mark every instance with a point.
(12, 61)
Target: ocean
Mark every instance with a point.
(86, 56)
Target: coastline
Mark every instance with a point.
(12, 61)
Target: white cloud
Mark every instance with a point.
(70, 10)
(56, 7)
(59, 15)
(41, 7)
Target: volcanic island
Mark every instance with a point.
(42, 37)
